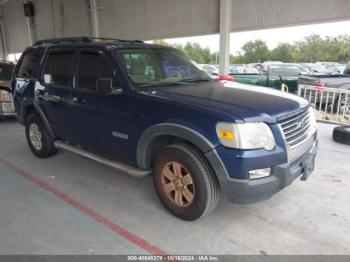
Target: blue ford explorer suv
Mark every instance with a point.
(149, 110)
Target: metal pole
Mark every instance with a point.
(225, 29)
(94, 18)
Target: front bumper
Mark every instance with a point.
(7, 109)
(250, 191)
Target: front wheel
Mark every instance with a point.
(184, 182)
(39, 140)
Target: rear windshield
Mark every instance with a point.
(147, 67)
(6, 72)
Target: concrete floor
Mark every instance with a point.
(69, 205)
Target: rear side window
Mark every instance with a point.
(29, 65)
(347, 69)
(58, 69)
(91, 68)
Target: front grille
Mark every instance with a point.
(296, 128)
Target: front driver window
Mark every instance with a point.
(92, 68)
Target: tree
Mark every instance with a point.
(311, 49)
(237, 59)
(283, 52)
(255, 51)
(160, 42)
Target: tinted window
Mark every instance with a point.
(58, 68)
(29, 65)
(92, 68)
(6, 71)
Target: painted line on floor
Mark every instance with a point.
(87, 211)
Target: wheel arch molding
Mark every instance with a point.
(36, 108)
(150, 136)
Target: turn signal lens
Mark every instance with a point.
(225, 134)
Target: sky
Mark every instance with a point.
(272, 37)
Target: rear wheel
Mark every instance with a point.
(39, 140)
(184, 182)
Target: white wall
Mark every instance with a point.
(156, 19)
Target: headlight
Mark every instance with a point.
(313, 124)
(5, 96)
(246, 135)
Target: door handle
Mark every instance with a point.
(50, 98)
(78, 100)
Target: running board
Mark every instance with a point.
(130, 170)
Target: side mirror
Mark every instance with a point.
(104, 86)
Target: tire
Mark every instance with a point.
(202, 182)
(341, 134)
(39, 140)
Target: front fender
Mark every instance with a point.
(146, 142)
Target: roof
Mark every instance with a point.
(93, 41)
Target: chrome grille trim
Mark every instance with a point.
(295, 128)
(298, 138)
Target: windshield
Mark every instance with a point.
(6, 72)
(287, 71)
(153, 67)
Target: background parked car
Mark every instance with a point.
(6, 103)
(275, 76)
(338, 81)
(210, 69)
(347, 69)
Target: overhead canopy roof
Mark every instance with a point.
(155, 19)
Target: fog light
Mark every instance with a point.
(259, 173)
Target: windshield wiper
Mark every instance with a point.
(193, 80)
(161, 84)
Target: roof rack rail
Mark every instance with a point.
(82, 39)
(115, 40)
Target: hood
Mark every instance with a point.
(248, 102)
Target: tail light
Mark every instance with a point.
(319, 86)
